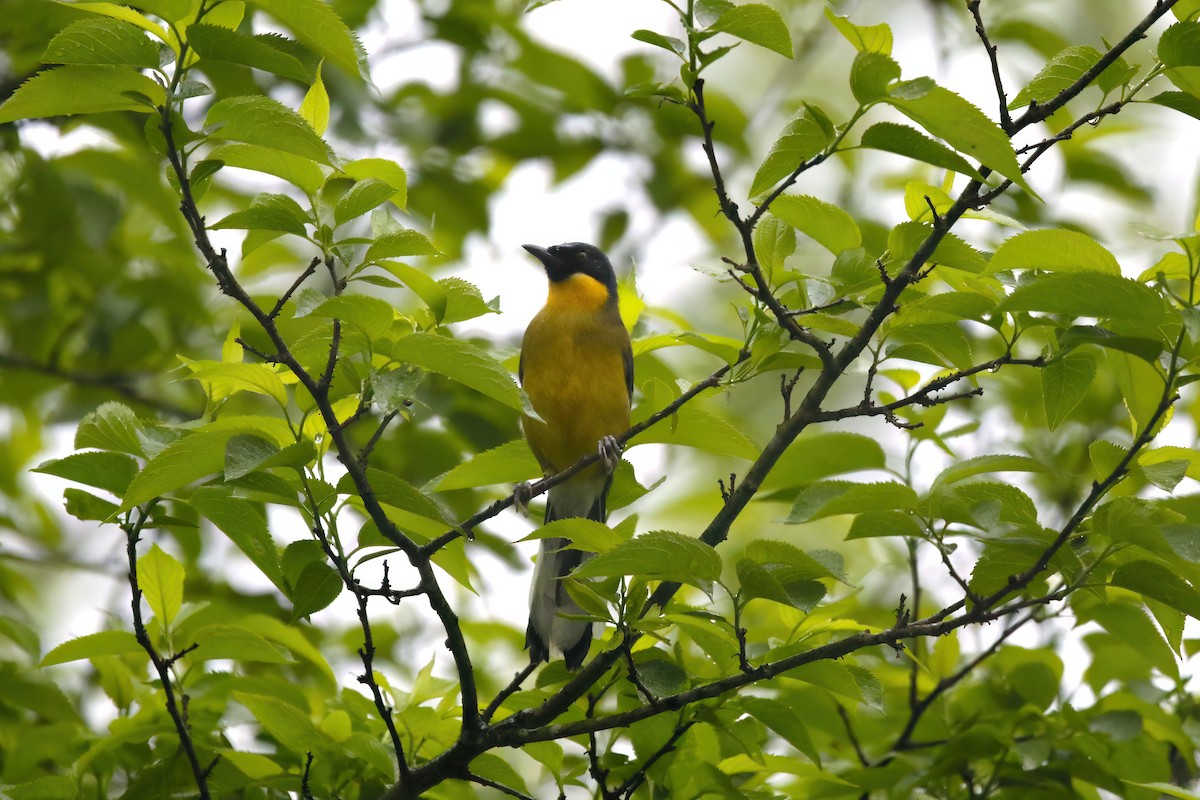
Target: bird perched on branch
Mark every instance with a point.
(577, 369)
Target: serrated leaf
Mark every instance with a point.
(317, 586)
(101, 41)
(865, 38)
(657, 555)
(398, 493)
(825, 223)
(784, 721)
(290, 726)
(780, 583)
(906, 238)
(185, 460)
(267, 123)
(370, 315)
(1156, 581)
(109, 471)
(160, 577)
(245, 523)
(758, 24)
(1179, 45)
(363, 196)
(384, 170)
(315, 106)
(902, 140)
(1064, 69)
(659, 674)
(511, 462)
(983, 465)
(1088, 294)
(584, 534)
(884, 523)
(1053, 250)
(802, 138)
(462, 362)
(668, 43)
(225, 379)
(236, 643)
(870, 76)
(104, 643)
(112, 426)
(218, 43)
(429, 290)
(1065, 382)
(300, 172)
(833, 498)
(806, 565)
(964, 127)
(82, 89)
(85, 506)
(812, 457)
(318, 26)
(126, 14)
(399, 244)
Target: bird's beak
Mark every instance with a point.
(543, 255)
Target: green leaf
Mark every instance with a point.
(964, 127)
(982, 465)
(225, 379)
(170, 10)
(832, 498)
(870, 76)
(245, 523)
(218, 43)
(361, 198)
(315, 106)
(1179, 101)
(825, 223)
(398, 493)
(270, 212)
(1088, 294)
(658, 673)
(185, 460)
(758, 24)
(780, 583)
(865, 38)
(370, 314)
(944, 345)
(109, 471)
(82, 89)
(584, 534)
(1063, 70)
(657, 555)
(112, 426)
(317, 25)
(1155, 581)
(462, 362)
(300, 172)
(432, 293)
(381, 169)
(288, 725)
(317, 586)
(236, 643)
(51, 787)
(104, 643)
(805, 565)
(813, 456)
(511, 462)
(1133, 626)
(102, 41)
(244, 454)
(1185, 78)
(84, 506)
(906, 238)
(697, 424)
(267, 123)
(1179, 45)
(400, 244)
(884, 523)
(902, 140)
(1053, 250)
(160, 577)
(495, 768)
(774, 241)
(803, 137)
(668, 43)
(783, 720)
(939, 309)
(1065, 382)
(128, 15)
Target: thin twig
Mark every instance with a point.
(122, 384)
(1005, 118)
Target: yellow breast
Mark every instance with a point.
(574, 373)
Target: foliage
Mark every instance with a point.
(333, 428)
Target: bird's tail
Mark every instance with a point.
(548, 599)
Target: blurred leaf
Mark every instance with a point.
(865, 38)
(160, 577)
(511, 462)
(317, 586)
(833, 498)
(105, 643)
(884, 523)
(781, 583)
(1156, 581)
(317, 25)
(236, 643)
(585, 534)
(245, 524)
(782, 720)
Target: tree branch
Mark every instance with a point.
(121, 384)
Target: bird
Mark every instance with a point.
(576, 367)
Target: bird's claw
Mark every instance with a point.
(610, 452)
(522, 494)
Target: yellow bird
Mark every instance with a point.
(577, 369)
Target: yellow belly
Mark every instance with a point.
(574, 375)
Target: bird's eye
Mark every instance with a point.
(581, 257)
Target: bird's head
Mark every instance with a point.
(575, 258)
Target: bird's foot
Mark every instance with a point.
(522, 494)
(610, 452)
